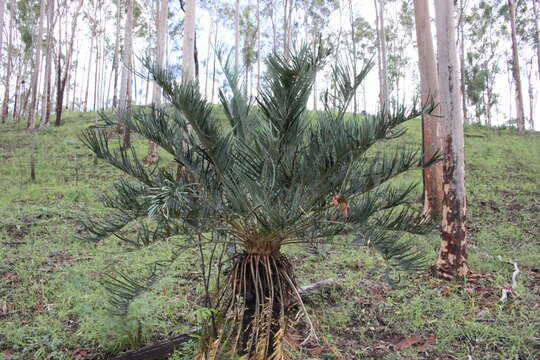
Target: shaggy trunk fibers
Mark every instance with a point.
(253, 307)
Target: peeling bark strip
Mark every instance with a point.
(452, 260)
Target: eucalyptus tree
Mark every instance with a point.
(63, 71)
(536, 33)
(360, 44)
(47, 75)
(38, 45)
(9, 62)
(432, 127)
(268, 177)
(482, 58)
(2, 12)
(317, 22)
(188, 48)
(384, 97)
(125, 97)
(452, 260)
(162, 15)
(516, 72)
(237, 36)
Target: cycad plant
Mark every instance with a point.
(268, 175)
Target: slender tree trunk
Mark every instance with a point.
(37, 64)
(259, 30)
(188, 56)
(452, 260)
(97, 78)
(214, 60)
(162, 26)
(89, 69)
(381, 40)
(63, 79)
(5, 104)
(462, 60)
(432, 135)
(355, 54)
(520, 113)
(2, 11)
(536, 34)
(116, 55)
(46, 96)
(529, 66)
(208, 46)
(237, 37)
(274, 30)
(315, 79)
(125, 99)
(287, 27)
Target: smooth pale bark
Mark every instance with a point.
(9, 65)
(520, 113)
(38, 43)
(236, 37)
(452, 260)
(432, 135)
(208, 49)
(384, 98)
(89, 68)
(125, 98)
(259, 30)
(536, 34)
(162, 26)
(462, 60)
(355, 52)
(2, 11)
(188, 54)
(287, 27)
(529, 67)
(46, 96)
(116, 55)
(216, 28)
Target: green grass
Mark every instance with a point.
(52, 305)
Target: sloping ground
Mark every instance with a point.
(53, 307)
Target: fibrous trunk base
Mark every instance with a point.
(252, 306)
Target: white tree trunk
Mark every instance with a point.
(520, 113)
(162, 27)
(38, 43)
(384, 98)
(432, 135)
(188, 49)
(46, 96)
(5, 105)
(452, 260)
(125, 97)
(2, 10)
(116, 54)
(237, 37)
(536, 34)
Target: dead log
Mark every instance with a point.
(162, 349)
(475, 136)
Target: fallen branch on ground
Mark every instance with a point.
(164, 348)
(475, 136)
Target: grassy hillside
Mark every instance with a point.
(52, 305)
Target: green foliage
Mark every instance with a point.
(41, 264)
(268, 177)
